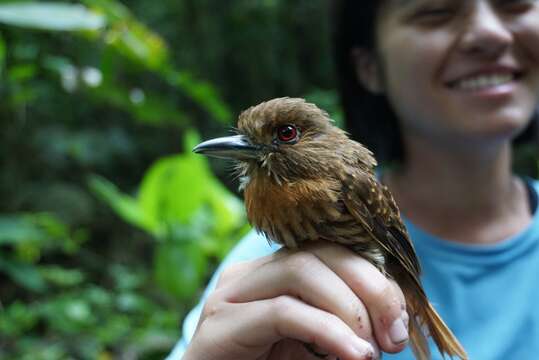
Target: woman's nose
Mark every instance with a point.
(484, 32)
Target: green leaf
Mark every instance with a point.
(68, 313)
(30, 234)
(19, 229)
(17, 319)
(172, 195)
(130, 37)
(115, 330)
(191, 138)
(127, 278)
(78, 311)
(22, 72)
(174, 189)
(98, 296)
(201, 92)
(124, 205)
(59, 276)
(133, 40)
(179, 268)
(132, 302)
(50, 16)
(228, 210)
(50, 224)
(26, 275)
(113, 10)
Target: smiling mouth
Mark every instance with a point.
(484, 81)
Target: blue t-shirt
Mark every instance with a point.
(487, 294)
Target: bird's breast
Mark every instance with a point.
(300, 211)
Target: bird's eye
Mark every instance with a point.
(287, 133)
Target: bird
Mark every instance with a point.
(305, 180)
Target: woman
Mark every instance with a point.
(440, 88)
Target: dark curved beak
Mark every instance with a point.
(236, 147)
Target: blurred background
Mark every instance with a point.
(109, 226)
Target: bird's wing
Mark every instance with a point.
(373, 207)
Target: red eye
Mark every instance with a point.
(287, 133)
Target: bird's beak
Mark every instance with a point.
(236, 147)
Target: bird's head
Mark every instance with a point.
(286, 139)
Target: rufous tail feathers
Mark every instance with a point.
(444, 339)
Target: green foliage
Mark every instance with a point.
(50, 16)
(31, 236)
(88, 88)
(186, 210)
(179, 268)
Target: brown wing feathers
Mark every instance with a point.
(373, 206)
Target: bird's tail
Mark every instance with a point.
(418, 341)
(444, 339)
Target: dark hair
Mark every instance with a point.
(370, 118)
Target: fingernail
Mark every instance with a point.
(398, 333)
(364, 350)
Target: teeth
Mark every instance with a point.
(484, 81)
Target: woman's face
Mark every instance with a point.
(460, 70)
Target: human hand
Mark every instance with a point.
(324, 295)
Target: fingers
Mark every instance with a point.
(382, 297)
(312, 327)
(333, 279)
(259, 323)
(303, 275)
